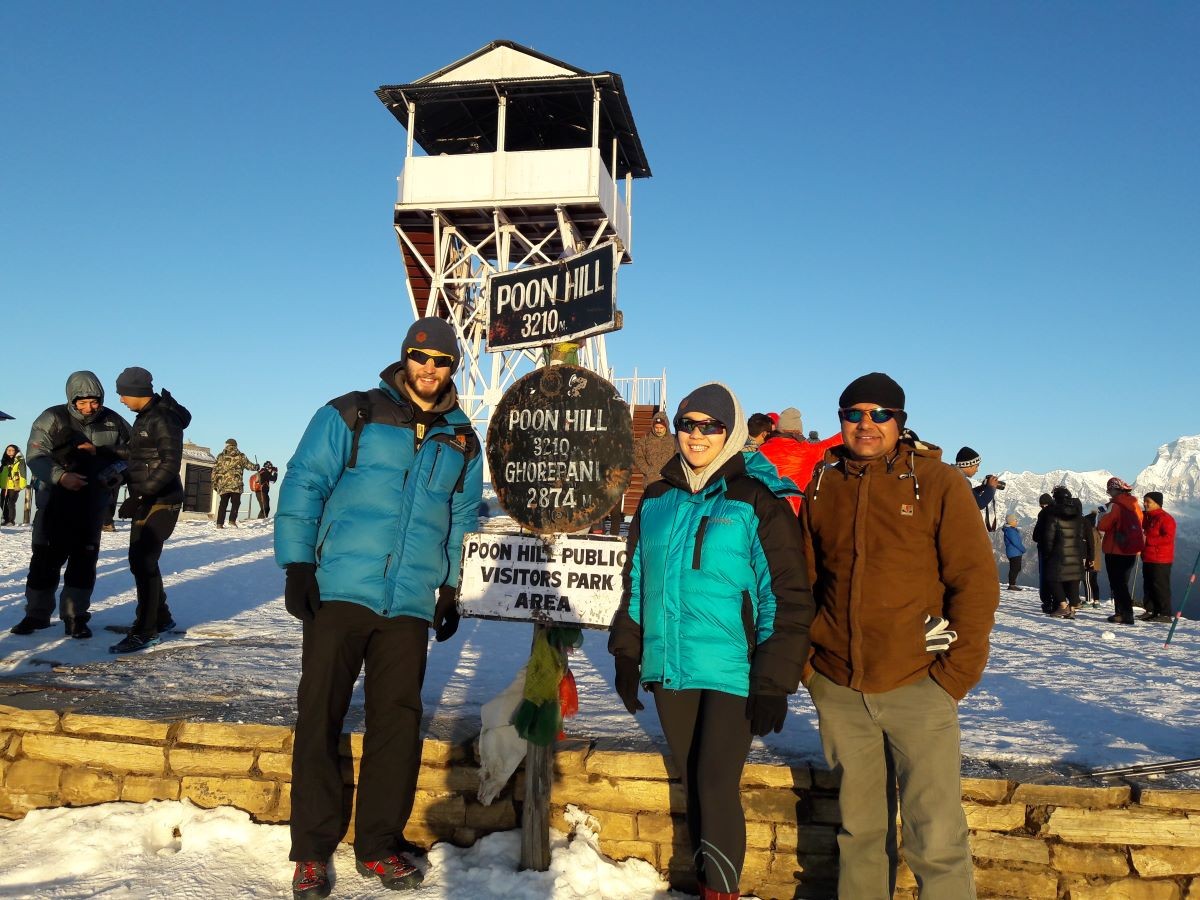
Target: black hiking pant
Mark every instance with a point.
(44, 568)
(146, 539)
(1119, 566)
(264, 503)
(709, 736)
(1064, 592)
(8, 502)
(1014, 569)
(231, 501)
(1156, 579)
(337, 644)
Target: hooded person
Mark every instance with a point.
(369, 528)
(154, 500)
(1064, 546)
(13, 480)
(73, 463)
(714, 617)
(905, 585)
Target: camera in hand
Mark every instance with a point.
(1000, 485)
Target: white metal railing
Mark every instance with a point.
(643, 391)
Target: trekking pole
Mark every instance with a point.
(1186, 594)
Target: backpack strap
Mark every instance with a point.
(362, 415)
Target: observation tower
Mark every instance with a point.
(526, 160)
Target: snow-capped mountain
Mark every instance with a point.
(1175, 472)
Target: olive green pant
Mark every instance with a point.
(908, 738)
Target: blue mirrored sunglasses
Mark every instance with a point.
(879, 415)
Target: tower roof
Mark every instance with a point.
(549, 106)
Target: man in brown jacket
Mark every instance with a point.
(906, 593)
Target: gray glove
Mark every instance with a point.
(938, 635)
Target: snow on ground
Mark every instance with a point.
(1056, 695)
(176, 851)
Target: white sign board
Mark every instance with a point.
(560, 579)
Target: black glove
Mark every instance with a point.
(132, 507)
(766, 713)
(445, 614)
(629, 676)
(938, 634)
(301, 594)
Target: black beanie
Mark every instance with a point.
(967, 458)
(1156, 496)
(1045, 500)
(135, 382)
(875, 388)
(711, 399)
(433, 333)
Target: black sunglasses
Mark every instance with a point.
(420, 357)
(706, 426)
(878, 415)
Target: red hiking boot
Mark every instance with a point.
(395, 872)
(311, 879)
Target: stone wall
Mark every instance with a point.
(1029, 841)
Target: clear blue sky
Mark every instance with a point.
(996, 203)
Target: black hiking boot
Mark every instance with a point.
(396, 872)
(29, 625)
(311, 879)
(77, 629)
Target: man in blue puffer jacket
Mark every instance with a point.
(372, 513)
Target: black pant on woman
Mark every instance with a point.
(8, 502)
(709, 736)
(1119, 566)
(1014, 569)
(146, 539)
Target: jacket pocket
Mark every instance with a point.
(698, 548)
(448, 464)
(748, 623)
(322, 537)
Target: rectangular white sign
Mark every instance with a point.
(560, 579)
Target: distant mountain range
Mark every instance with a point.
(1175, 472)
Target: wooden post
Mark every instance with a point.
(535, 813)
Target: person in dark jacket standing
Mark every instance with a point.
(905, 584)
(1159, 527)
(262, 493)
(1045, 514)
(372, 512)
(1014, 549)
(713, 618)
(1064, 546)
(73, 460)
(654, 449)
(154, 501)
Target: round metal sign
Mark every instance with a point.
(560, 449)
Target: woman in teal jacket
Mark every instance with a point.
(714, 618)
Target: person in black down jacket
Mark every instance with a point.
(155, 453)
(1064, 545)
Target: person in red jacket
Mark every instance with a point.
(1121, 522)
(793, 455)
(1159, 527)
